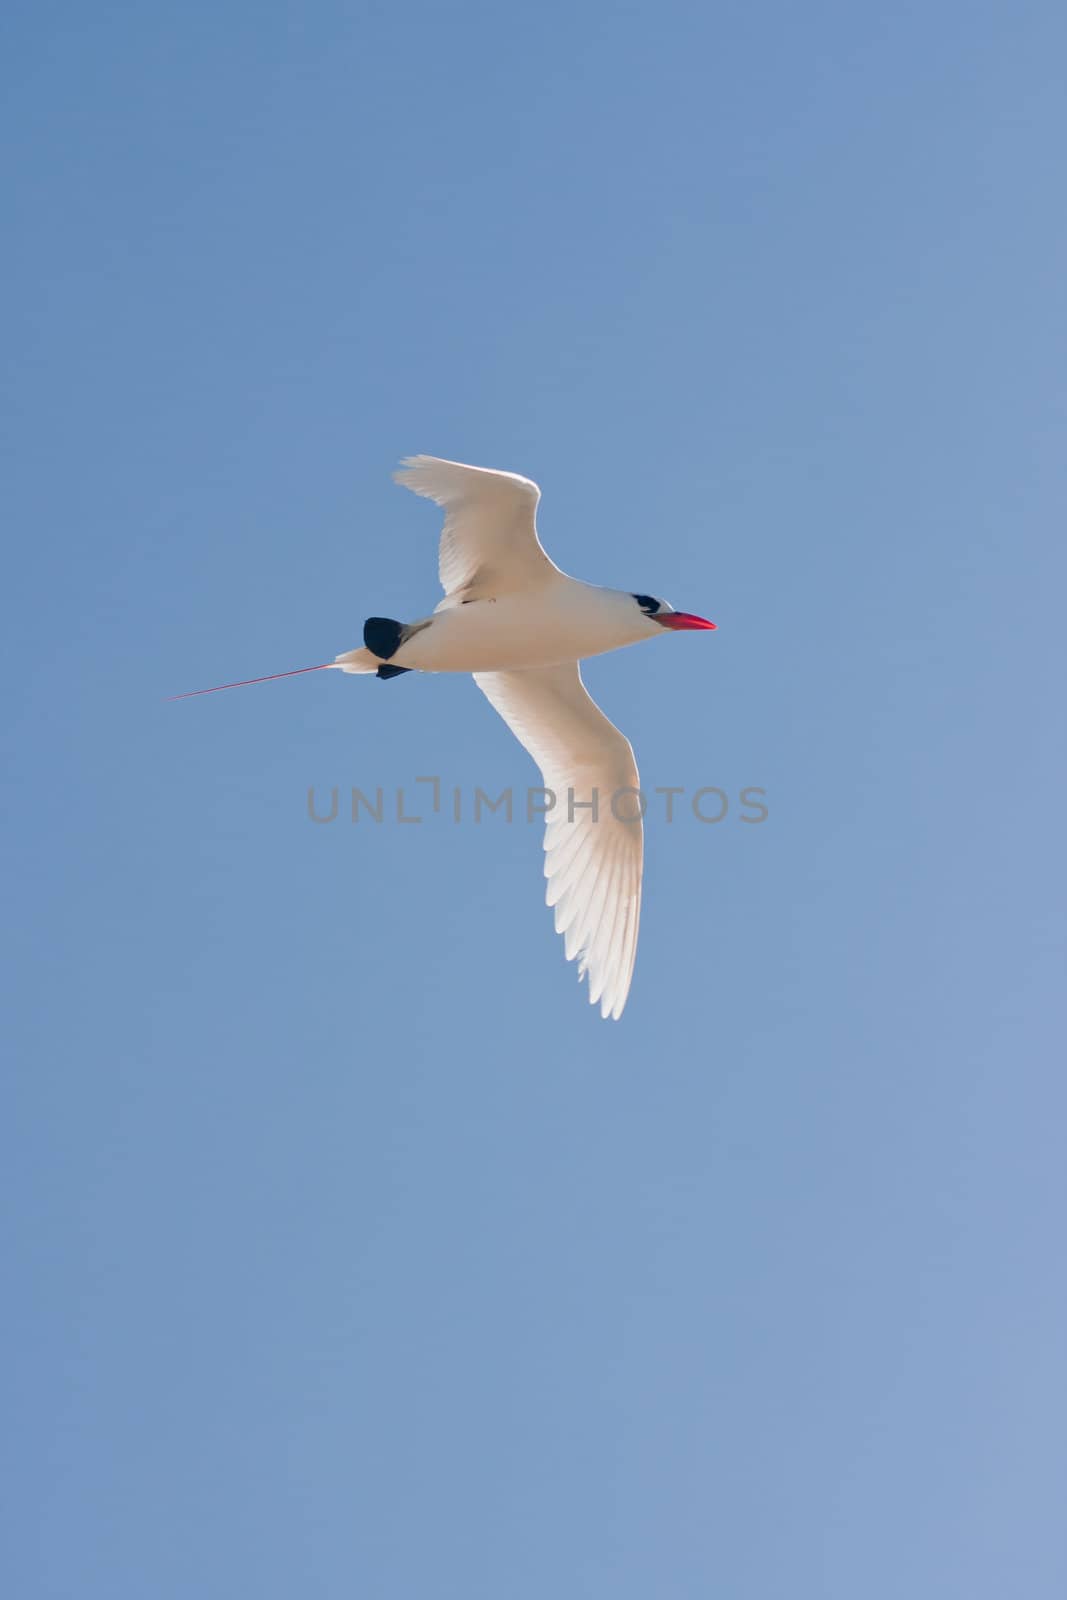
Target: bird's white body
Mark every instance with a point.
(521, 626)
(559, 620)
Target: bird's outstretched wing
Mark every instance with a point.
(592, 859)
(489, 543)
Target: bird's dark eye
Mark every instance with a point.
(648, 603)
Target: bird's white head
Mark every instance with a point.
(658, 611)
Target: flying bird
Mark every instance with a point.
(520, 626)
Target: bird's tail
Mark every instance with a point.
(359, 660)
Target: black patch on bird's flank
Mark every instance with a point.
(383, 636)
(385, 672)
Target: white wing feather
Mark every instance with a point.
(489, 543)
(593, 867)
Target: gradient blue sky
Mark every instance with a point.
(347, 1251)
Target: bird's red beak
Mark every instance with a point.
(682, 619)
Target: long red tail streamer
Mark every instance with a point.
(244, 682)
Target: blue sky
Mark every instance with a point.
(347, 1250)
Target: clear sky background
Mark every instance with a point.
(348, 1252)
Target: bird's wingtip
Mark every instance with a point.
(407, 473)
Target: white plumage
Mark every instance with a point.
(490, 526)
(521, 626)
(592, 863)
